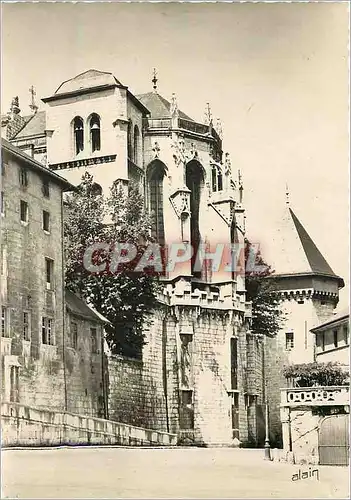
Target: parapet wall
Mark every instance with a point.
(26, 426)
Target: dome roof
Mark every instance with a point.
(87, 80)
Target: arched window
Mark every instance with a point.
(130, 147)
(95, 138)
(136, 144)
(194, 182)
(155, 175)
(217, 178)
(78, 130)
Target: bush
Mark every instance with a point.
(317, 374)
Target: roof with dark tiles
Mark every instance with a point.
(77, 306)
(293, 252)
(35, 125)
(159, 106)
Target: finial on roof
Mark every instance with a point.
(174, 105)
(208, 114)
(15, 109)
(241, 186)
(154, 80)
(287, 194)
(32, 105)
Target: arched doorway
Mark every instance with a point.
(194, 179)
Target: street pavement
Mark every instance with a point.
(115, 472)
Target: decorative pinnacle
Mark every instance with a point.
(240, 179)
(32, 105)
(208, 114)
(15, 109)
(154, 80)
(219, 128)
(174, 105)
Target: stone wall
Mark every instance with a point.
(84, 367)
(26, 426)
(24, 288)
(304, 435)
(255, 390)
(126, 390)
(274, 359)
(153, 392)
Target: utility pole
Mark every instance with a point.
(267, 446)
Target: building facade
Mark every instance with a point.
(32, 298)
(51, 353)
(316, 420)
(332, 339)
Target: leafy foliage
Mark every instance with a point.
(267, 316)
(125, 297)
(316, 374)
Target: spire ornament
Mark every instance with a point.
(219, 128)
(208, 115)
(228, 165)
(154, 80)
(241, 187)
(15, 109)
(287, 195)
(174, 106)
(32, 105)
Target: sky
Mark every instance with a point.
(277, 74)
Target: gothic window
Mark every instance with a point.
(194, 182)
(78, 129)
(136, 144)
(156, 174)
(95, 139)
(130, 147)
(217, 178)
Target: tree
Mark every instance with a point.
(125, 297)
(267, 316)
(317, 374)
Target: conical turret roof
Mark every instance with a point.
(295, 253)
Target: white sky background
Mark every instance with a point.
(275, 73)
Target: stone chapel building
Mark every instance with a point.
(194, 378)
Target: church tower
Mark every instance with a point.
(307, 285)
(88, 120)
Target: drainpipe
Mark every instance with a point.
(103, 373)
(63, 306)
